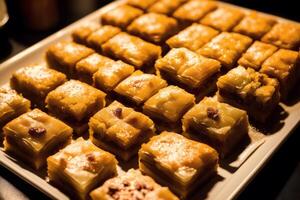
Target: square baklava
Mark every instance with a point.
(169, 104)
(110, 75)
(102, 35)
(193, 11)
(120, 130)
(193, 37)
(284, 35)
(249, 90)
(139, 87)
(36, 81)
(194, 72)
(257, 53)
(132, 185)
(136, 52)
(86, 67)
(255, 25)
(285, 66)
(80, 167)
(11, 105)
(121, 16)
(218, 124)
(81, 34)
(141, 4)
(34, 136)
(74, 102)
(154, 27)
(226, 48)
(177, 162)
(166, 7)
(223, 19)
(63, 56)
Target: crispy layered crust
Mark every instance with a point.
(109, 76)
(219, 124)
(223, 19)
(132, 185)
(121, 16)
(102, 35)
(81, 34)
(285, 66)
(66, 101)
(63, 56)
(193, 37)
(141, 4)
(35, 82)
(139, 86)
(177, 162)
(88, 66)
(136, 51)
(257, 53)
(226, 48)
(120, 129)
(34, 136)
(80, 167)
(11, 105)
(284, 34)
(169, 104)
(166, 7)
(193, 11)
(253, 91)
(154, 27)
(255, 25)
(188, 68)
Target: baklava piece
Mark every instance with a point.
(63, 56)
(141, 4)
(11, 105)
(218, 124)
(120, 130)
(154, 27)
(81, 34)
(139, 87)
(86, 68)
(80, 167)
(35, 82)
(193, 37)
(169, 104)
(102, 35)
(74, 102)
(136, 52)
(34, 136)
(121, 16)
(110, 75)
(284, 34)
(223, 19)
(177, 162)
(189, 70)
(193, 11)
(132, 185)
(257, 53)
(166, 7)
(285, 66)
(255, 25)
(249, 90)
(226, 48)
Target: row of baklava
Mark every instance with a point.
(156, 27)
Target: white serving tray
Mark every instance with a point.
(227, 185)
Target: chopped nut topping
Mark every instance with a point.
(37, 131)
(133, 121)
(118, 112)
(212, 113)
(90, 157)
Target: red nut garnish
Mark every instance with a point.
(37, 131)
(212, 113)
(118, 112)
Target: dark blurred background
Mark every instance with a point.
(32, 20)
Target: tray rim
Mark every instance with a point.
(229, 191)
